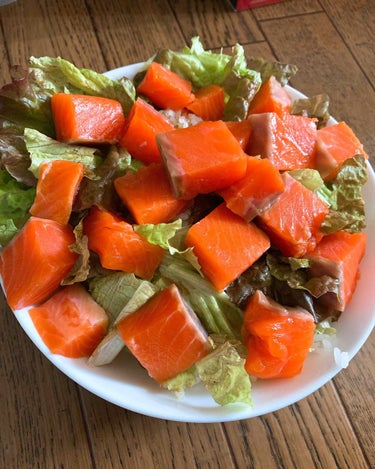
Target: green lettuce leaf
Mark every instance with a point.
(114, 291)
(26, 100)
(347, 206)
(43, 148)
(204, 67)
(160, 234)
(312, 179)
(224, 376)
(218, 314)
(119, 294)
(293, 286)
(183, 380)
(98, 189)
(15, 201)
(14, 156)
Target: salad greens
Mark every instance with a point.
(27, 140)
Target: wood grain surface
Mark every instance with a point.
(46, 420)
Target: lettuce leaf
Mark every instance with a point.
(282, 72)
(14, 156)
(204, 67)
(183, 380)
(114, 291)
(224, 376)
(43, 148)
(15, 201)
(99, 189)
(316, 106)
(347, 206)
(293, 286)
(218, 314)
(343, 194)
(119, 294)
(26, 101)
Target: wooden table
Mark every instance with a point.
(48, 421)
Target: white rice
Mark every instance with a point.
(180, 119)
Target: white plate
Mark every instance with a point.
(127, 385)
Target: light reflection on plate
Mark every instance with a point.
(127, 385)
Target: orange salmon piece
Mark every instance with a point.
(165, 88)
(256, 192)
(70, 322)
(339, 255)
(241, 130)
(35, 262)
(86, 119)
(271, 97)
(208, 103)
(277, 338)
(225, 245)
(57, 187)
(202, 158)
(303, 131)
(294, 220)
(271, 138)
(118, 246)
(139, 137)
(165, 335)
(335, 144)
(148, 195)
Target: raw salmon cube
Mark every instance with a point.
(165, 335)
(338, 255)
(257, 191)
(294, 220)
(226, 245)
